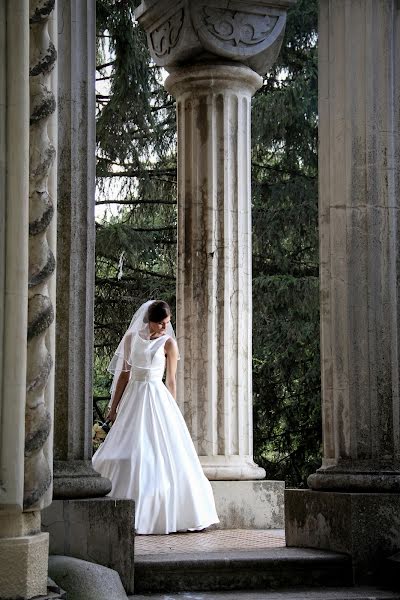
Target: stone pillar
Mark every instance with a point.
(214, 263)
(80, 522)
(74, 476)
(359, 83)
(24, 473)
(215, 57)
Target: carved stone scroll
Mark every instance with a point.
(185, 32)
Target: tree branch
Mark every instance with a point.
(132, 202)
(104, 65)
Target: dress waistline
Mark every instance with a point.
(145, 375)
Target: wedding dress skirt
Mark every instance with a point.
(149, 456)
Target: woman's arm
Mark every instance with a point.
(122, 380)
(171, 350)
(119, 390)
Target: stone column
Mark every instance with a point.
(23, 548)
(214, 263)
(359, 82)
(79, 510)
(215, 57)
(74, 476)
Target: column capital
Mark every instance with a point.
(184, 32)
(212, 78)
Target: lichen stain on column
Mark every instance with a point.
(38, 473)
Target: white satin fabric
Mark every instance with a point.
(149, 456)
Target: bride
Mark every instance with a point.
(148, 454)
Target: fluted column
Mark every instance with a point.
(215, 53)
(74, 476)
(359, 233)
(359, 172)
(214, 264)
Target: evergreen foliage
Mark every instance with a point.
(285, 257)
(136, 181)
(136, 246)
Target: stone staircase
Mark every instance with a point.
(240, 564)
(272, 568)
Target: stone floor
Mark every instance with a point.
(305, 594)
(212, 540)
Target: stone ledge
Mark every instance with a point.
(364, 525)
(99, 530)
(249, 504)
(241, 570)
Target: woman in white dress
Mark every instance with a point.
(148, 454)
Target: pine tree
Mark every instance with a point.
(136, 177)
(285, 257)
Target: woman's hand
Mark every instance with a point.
(111, 415)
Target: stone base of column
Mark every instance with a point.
(363, 525)
(23, 566)
(98, 530)
(249, 504)
(231, 468)
(354, 476)
(78, 479)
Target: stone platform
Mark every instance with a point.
(249, 504)
(99, 530)
(365, 526)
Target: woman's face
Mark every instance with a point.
(159, 328)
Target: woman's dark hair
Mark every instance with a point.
(158, 311)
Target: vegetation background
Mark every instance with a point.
(136, 223)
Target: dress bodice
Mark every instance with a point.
(148, 358)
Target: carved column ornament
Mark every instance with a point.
(247, 32)
(38, 471)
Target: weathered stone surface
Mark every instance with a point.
(23, 566)
(359, 122)
(365, 526)
(100, 530)
(84, 580)
(185, 32)
(359, 245)
(241, 570)
(214, 381)
(40, 397)
(78, 479)
(74, 475)
(249, 504)
(14, 220)
(23, 548)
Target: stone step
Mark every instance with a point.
(356, 593)
(271, 568)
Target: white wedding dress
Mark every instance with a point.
(149, 456)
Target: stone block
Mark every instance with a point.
(249, 504)
(364, 525)
(84, 580)
(23, 566)
(99, 530)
